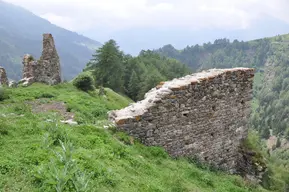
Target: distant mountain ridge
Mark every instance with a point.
(21, 32)
(221, 54)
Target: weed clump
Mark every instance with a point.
(3, 127)
(3, 94)
(61, 173)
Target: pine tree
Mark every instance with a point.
(133, 86)
(108, 69)
(151, 79)
(133, 76)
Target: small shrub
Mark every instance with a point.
(62, 172)
(30, 58)
(21, 109)
(45, 95)
(120, 152)
(56, 132)
(3, 127)
(99, 112)
(3, 94)
(121, 136)
(68, 108)
(80, 118)
(84, 82)
(196, 161)
(207, 180)
(178, 186)
(157, 152)
(104, 176)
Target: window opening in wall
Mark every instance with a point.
(185, 114)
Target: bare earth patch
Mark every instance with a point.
(272, 142)
(44, 106)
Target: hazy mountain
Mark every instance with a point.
(21, 32)
(133, 40)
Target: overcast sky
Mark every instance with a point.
(81, 15)
(149, 24)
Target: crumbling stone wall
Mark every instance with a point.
(202, 115)
(47, 68)
(3, 77)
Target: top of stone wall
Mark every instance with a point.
(165, 88)
(49, 51)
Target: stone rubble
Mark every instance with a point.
(12, 84)
(69, 122)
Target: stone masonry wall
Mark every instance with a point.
(202, 115)
(3, 77)
(49, 61)
(47, 68)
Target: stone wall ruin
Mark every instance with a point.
(202, 115)
(46, 69)
(3, 77)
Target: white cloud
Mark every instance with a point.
(68, 22)
(81, 15)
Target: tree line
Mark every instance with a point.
(220, 54)
(132, 76)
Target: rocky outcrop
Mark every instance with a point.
(3, 77)
(46, 69)
(202, 115)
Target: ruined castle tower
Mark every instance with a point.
(49, 62)
(47, 68)
(3, 77)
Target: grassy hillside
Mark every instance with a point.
(38, 153)
(21, 32)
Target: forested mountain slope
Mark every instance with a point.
(270, 58)
(221, 54)
(21, 32)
